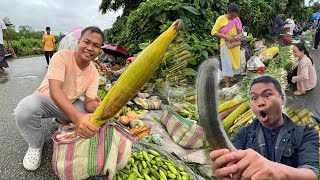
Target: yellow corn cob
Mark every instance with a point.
(240, 123)
(300, 115)
(271, 52)
(135, 76)
(288, 110)
(229, 120)
(239, 118)
(229, 104)
(292, 113)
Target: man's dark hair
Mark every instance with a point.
(47, 28)
(282, 12)
(268, 79)
(233, 7)
(93, 29)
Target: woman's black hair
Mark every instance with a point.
(233, 7)
(301, 47)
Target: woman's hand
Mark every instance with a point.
(294, 79)
(229, 38)
(239, 37)
(294, 66)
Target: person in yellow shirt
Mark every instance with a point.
(228, 28)
(48, 44)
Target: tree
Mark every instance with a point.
(13, 34)
(152, 17)
(25, 31)
(114, 5)
(315, 7)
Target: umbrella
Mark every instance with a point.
(77, 32)
(70, 41)
(115, 50)
(315, 16)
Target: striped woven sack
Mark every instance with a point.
(104, 154)
(184, 132)
(150, 104)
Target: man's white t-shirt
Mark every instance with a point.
(2, 26)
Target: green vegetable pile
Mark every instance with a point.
(150, 166)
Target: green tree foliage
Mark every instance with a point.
(27, 46)
(152, 17)
(259, 15)
(26, 41)
(126, 5)
(315, 7)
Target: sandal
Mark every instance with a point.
(32, 159)
(298, 93)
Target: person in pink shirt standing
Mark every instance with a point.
(306, 78)
(70, 75)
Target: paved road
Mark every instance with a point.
(310, 100)
(22, 79)
(18, 81)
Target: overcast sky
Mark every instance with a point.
(307, 1)
(60, 15)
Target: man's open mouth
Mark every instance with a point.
(263, 115)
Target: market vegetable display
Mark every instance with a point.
(268, 53)
(140, 131)
(186, 110)
(135, 76)
(149, 165)
(230, 119)
(176, 61)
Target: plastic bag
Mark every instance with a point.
(259, 47)
(254, 63)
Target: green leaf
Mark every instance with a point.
(209, 44)
(202, 2)
(190, 72)
(205, 53)
(142, 46)
(162, 18)
(192, 10)
(193, 61)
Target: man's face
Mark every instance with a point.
(48, 31)
(266, 103)
(89, 46)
